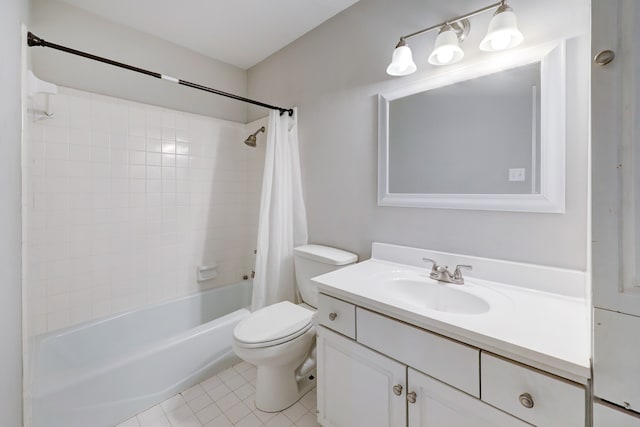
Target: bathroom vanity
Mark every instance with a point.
(509, 347)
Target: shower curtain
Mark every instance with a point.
(283, 222)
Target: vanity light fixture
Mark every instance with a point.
(503, 31)
(402, 61)
(447, 47)
(502, 34)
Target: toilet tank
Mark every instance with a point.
(314, 260)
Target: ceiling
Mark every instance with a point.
(239, 32)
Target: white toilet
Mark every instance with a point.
(280, 339)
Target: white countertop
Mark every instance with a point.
(540, 329)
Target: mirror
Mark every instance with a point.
(490, 138)
(459, 139)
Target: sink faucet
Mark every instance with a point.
(442, 274)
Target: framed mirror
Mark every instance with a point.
(487, 137)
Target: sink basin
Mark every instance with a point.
(431, 295)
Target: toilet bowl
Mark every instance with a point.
(280, 339)
(277, 340)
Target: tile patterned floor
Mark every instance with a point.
(225, 400)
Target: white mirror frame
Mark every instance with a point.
(551, 198)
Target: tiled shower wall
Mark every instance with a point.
(124, 200)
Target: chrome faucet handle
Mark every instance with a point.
(457, 274)
(434, 267)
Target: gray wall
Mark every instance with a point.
(13, 13)
(60, 23)
(333, 75)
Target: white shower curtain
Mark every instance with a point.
(283, 221)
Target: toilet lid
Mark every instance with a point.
(277, 322)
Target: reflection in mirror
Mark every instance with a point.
(490, 136)
(479, 136)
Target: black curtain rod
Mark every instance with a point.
(33, 40)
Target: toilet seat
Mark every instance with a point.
(273, 325)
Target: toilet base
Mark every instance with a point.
(280, 389)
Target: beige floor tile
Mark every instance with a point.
(225, 400)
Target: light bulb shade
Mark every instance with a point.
(401, 62)
(447, 49)
(503, 32)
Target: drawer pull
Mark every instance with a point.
(411, 397)
(526, 400)
(332, 316)
(397, 390)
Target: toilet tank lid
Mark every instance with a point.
(325, 254)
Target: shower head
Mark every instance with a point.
(251, 140)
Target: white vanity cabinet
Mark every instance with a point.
(530, 394)
(392, 374)
(357, 386)
(607, 415)
(360, 387)
(438, 405)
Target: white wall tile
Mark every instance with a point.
(57, 151)
(124, 200)
(58, 320)
(57, 135)
(154, 172)
(79, 153)
(153, 145)
(38, 324)
(80, 136)
(154, 159)
(137, 157)
(99, 139)
(137, 142)
(119, 156)
(137, 172)
(154, 131)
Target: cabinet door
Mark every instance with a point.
(607, 416)
(615, 118)
(616, 365)
(439, 405)
(356, 385)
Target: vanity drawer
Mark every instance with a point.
(337, 315)
(514, 388)
(446, 360)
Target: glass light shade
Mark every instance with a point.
(401, 62)
(503, 32)
(447, 49)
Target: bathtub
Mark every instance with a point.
(102, 372)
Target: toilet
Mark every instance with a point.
(280, 339)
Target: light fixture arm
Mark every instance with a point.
(453, 20)
(504, 7)
(401, 43)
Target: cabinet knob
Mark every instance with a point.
(605, 57)
(411, 397)
(332, 316)
(397, 389)
(526, 400)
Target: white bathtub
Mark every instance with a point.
(100, 373)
